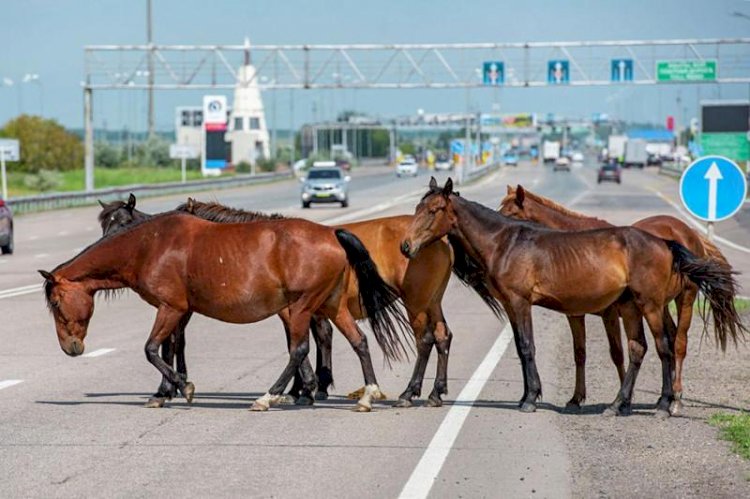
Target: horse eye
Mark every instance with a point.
(112, 218)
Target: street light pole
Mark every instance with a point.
(149, 36)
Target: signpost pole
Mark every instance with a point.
(710, 231)
(5, 179)
(184, 172)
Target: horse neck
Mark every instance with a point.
(474, 227)
(555, 219)
(100, 266)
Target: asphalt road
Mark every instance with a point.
(76, 427)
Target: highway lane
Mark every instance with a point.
(76, 426)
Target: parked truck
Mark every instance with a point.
(551, 151)
(616, 147)
(636, 153)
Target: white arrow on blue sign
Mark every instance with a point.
(713, 188)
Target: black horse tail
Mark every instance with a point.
(718, 285)
(471, 274)
(379, 300)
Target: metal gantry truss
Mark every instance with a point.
(394, 66)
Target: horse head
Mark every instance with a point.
(72, 306)
(118, 214)
(433, 218)
(514, 204)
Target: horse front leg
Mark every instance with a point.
(172, 350)
(443, 339)
(424, 339)
(323, 336)
(167, 321)
(655, 319)
(527, 350)
(578, 330)
(611, 320)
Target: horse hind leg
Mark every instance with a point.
(424, 339)
(685, 303)
(611, 320)
(323, 336)
(655, 317)
(578, 330)
(637, 348)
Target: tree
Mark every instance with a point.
(45, 144)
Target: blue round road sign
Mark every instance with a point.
(713, 188)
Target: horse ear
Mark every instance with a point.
(102, 203)
(448, 188)
(190, 205)
(433, 183)
(510, 189)
(520, 195)
(131, 201)
(47, 276)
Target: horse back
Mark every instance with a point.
(674, 229)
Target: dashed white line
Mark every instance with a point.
(424, 475)
(23, 290)
(7, 383)
(63, 233)
(41, 255)
(99, 352)
(33, 238)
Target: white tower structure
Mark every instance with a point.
(247, 127)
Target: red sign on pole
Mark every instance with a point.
(670, 123)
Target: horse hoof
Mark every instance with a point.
(287, 399)
(528, 407)
(362, 408)
(434, 402)
(304, 400)
(379, 396)
(403, 403)
(572, 408)
(188, 390)
(258, 407)
(321, 395)
(662, 414)
(675, 408)
(154, 403)
(610, 412)
(357, 394)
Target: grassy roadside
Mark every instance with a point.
(75, 180)
(741, 304)
(734, 428)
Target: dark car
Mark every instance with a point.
(344, 164)
(6, 228)
(653, 160)
(609, 172)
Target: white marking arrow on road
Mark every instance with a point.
(713, 175)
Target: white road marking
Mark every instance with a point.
(7, 383)
(89, 229)
(41, 255)
(424, 475)
(701, 228)
(373, 209)
(33, 238)
(99, 352)
(23, 290)
(578, 198)
(62, 233)
(77, 250)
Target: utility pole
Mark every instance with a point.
(149, 36)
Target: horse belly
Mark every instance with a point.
(588, 293)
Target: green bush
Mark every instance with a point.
(243, 167)
(107, 155)
(266, 165)
(45, 144)
(45, 180)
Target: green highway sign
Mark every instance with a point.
(733, 145)
(686, 70)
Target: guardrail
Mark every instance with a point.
(475, 173)
(671, 170)
(43, 202)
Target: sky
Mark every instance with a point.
(46, 37)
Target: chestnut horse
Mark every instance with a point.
(239, 273)
(420, 282)
(575, 273)
(525, 205)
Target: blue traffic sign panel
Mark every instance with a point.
(713, 188)
(493, 73)
(558, 72)
(622, 70)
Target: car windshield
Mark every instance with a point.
(609, 167)
(316, 174)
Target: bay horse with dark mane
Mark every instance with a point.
(575, 273)
(525, 205)
(420, 282)
(239, 273)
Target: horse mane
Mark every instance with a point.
(470, 272)
(548, 203)
(217, 212)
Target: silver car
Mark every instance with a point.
(325, 185)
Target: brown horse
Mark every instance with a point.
(525, 205)
(575, 273)
(239, 273)
(421, 282)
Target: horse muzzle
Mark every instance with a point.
(407, 250)
(74, 348)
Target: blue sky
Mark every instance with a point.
(46, 37)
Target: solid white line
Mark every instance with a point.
(7, 383)
(23, 290)
(578, 198)
(701, 228)
(41, 255)
(424, 475)
(98, 353)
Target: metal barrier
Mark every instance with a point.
(670, 169)
(476, 173)
(43, 202)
